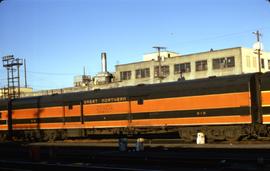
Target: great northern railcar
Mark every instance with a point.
(224, 108)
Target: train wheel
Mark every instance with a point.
(3, 137)
(232, 134)
(214, 134)
(49, 135)
(187, 135)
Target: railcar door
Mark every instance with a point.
(81, 111)
(3, 115)
(138, 114)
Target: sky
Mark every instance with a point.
(58, 38)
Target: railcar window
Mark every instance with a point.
(70, 107)
(140, 101)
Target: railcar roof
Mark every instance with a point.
(168, 89)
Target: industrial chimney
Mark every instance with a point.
(103, 62)
(103, 77)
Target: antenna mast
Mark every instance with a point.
(160, 76)
(258, 48)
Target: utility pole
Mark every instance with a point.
(13, 79)
(13, 75)
(25, 78)
(258, 35)
(159, 61)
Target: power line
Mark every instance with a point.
(222, 36)
(51, 73)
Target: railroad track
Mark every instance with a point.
(29, 166)
(81, 157)
(191, 165)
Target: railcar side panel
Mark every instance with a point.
(217, 101)
(3, 120)
(265, 92)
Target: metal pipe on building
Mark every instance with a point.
(103, 62)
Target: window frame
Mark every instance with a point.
(142, 73)
(181, 66)
(223, 62)
(125, 75)
(165, 71)
(203, 64)
(230, 64)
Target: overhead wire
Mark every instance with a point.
(189, 41)
(50, 73)
(224, 35)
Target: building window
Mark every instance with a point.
(248, 61)
(143, 73)
(268, 64)
(254, 62)
(184, 67)
(201, 65)
(125, 75)
(230, 62)
(220, 63)
(165, 71)
(262, 63)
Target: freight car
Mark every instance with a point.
(223, 108)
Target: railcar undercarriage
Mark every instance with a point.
(186, 134)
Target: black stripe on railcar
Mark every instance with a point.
(3, 122)
(265, 81)
(3, 104)
(266, 110)
(113, 117)
(47, 120)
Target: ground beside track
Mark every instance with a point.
(84, 155)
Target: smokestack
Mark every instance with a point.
(103, 62)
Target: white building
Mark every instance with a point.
(231, 61)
